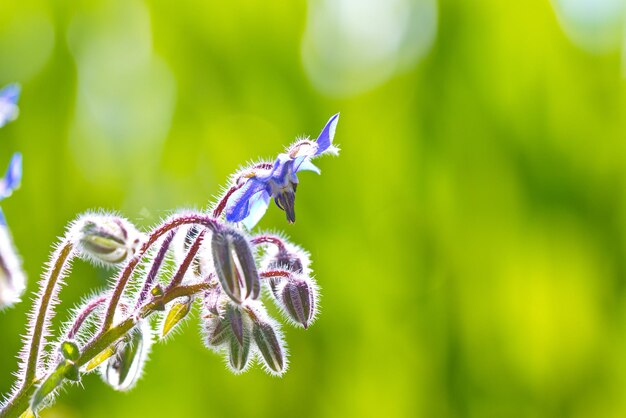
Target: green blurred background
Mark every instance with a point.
(470, 240)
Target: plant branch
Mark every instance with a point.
(126, 273)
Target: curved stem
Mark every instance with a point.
(269, 239)
(20, 402)
(184, 266)
(126, 273)
(275, 273)
(154, 270)
(84, 313)
(54, 274)
(219, 208)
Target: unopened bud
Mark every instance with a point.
(270, 346)
(218, 332)
(70, 350)
(177, 313)
(298, 297)
(291, 258)
(212, 299)
(107, 239)
(124, 368)
(235, 265)
(239, 353)
(71, 371)
(286, 260)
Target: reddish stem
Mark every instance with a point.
(156, 265)
(275, 273)
(82, 316)
(184, 266)
(126, 273)
(268, 239)
(222, 203)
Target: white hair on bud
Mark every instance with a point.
(129, 234)
(262, 315)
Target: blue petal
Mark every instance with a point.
(282, 168)
(8, 103)
(258, 205)
(3, 220)
(325, 140)
(13, 177)
(10, 93)
(238, 206)
(307, 165)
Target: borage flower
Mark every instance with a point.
(279, 180)
(8, 103)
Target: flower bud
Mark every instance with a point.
(235, 319)
(212, 299)
(217, 332)
(298, 297)
(238, 354)
(71, 372)
(270, 346)
(123, 369)
(106, 239)
(12, 278)
(291, 258)
(177, 313)
(70, 350)
(287, 261)
(235, 265)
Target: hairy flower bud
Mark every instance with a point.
(288, 257)
(270, 346)
(239, 354)
(123, 369)
(106, 239)
(70, 350)
(217, 331)
(299, 300)
(235, 265)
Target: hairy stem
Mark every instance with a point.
(154, 270)
(184, 266)
(82, 316)
(51, 280)
(21, 401)
(219, 208)
(126, 273)
(268, 239)
(275, 273)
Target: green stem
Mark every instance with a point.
(21, 401)
(51, 281)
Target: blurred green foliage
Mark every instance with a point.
(469, 240)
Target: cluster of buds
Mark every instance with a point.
(192, 257)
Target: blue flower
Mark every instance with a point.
(11, 181)
(250, 201)
(8, 103)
